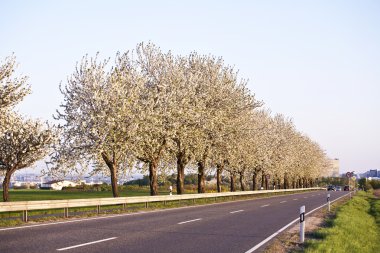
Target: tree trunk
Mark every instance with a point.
(180, 173)
(242, 186)
(115, 190)
(201, 177)
(219, 169)
(254, 182)
(153, 177)
(6, 182)
(232, 185)
(262, 179)
(111, 164)
(266, 183)
(201, 172)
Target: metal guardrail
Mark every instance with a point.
(26, 206)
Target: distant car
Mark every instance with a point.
(331, 188)
(346, 188)
(338, 188)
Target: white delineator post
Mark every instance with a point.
(302, 224)
(171, 190)
(328, 201)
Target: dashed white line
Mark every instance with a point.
(305, 197)
(282, 201)
(238, 211)
(295, 199)
(264, 205)
(312, 195)
(183, 222)
(85, 244)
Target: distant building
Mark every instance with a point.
(372, 173)
(57, 184)
(333, 170)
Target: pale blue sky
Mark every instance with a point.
(317, 62)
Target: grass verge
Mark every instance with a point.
(356, 228)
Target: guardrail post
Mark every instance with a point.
(124, 206)
(65, 212)
(25, 216)
(302, 224)
(98, 209)
(146, 204)
(328, 202)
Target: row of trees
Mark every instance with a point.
(156, 112)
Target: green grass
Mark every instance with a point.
(356, 228)
(27, 195)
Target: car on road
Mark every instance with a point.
(346, 188)
(331, 188)
(338, 188)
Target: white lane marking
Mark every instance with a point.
(132, 214)
(183, 222)
(238, 211)
(264, 205)
(305, 197)
(282, 201)
(286, 226)
(85, 244)
(295, 199)
(312, 195)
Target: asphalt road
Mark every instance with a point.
(224, 227)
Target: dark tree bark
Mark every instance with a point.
(182, 160)
(201, 172)
(153, 162)
(263, 179)
(6, 183)
(112, 166)
(286, 186)
(219, 170)
(254, 181)
(241, 178)
(153, 177)
(181, 164)
(201, 177)
(232, 183)
(266, 183)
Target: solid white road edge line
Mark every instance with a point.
(85, 244)
(286, 226)
(238, 211)
(282, 201)
(295, 199)
(183, 222)
(264, 205)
